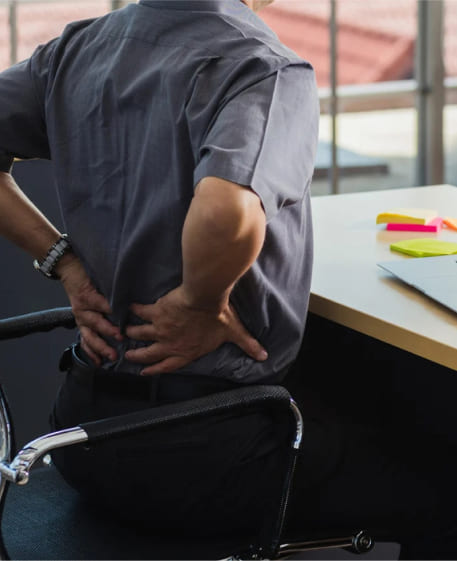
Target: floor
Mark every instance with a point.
(381, 551)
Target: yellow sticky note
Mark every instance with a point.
(407, 216)
(425, 247)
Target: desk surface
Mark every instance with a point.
(350, 289)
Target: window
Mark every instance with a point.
(378, 126)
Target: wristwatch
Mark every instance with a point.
(55, 253)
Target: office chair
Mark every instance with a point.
(44, 518)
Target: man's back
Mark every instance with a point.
(143, 103)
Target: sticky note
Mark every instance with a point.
(433, 226)
(407, 216)
(425, 247)
(450, 222)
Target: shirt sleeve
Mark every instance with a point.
(265, 137)
(22, 121)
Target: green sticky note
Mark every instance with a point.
(425, 247)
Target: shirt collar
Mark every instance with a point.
(224, 6)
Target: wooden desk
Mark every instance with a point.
(350, 289)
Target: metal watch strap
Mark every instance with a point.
(55, 253)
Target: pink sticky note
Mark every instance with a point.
(433, 226)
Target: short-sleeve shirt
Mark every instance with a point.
(135, 108)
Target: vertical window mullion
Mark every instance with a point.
(333, 28)
(430, 92)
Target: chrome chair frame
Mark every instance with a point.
(18, 470)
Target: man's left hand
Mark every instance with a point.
(180, 333)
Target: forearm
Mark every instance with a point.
(21, 222)
(24, 225)
(223, 235)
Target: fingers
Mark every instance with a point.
(251, 347)
(241, 337)
(143, 311)
(145, 332)
(147, 355)
(158, 359)
(97, 302)
(93, 356)
(89, 308)
(96, 345)
(96, 322)
(165, 366)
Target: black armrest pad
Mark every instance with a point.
(228, 401)
(45, 320)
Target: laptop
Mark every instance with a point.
(434, 276)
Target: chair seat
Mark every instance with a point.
(46, 519)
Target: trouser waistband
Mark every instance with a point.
(161, 388)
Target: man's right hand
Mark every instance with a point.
(89, 308)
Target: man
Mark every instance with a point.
(183, 136)
(237, 113)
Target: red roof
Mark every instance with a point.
(375, 38)
(364, 56)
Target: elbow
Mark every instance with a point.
(231, 211)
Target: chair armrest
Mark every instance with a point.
(45, 320)
(232, 400)
(275, 399)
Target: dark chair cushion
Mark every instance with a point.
(46, 519)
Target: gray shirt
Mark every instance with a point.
(135, 108)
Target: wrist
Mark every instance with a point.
(65, 265)
(48, 265)
(204, 300)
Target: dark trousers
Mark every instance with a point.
(356, 470)
(194, 479)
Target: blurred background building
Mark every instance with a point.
(394, 67)
(386, 70)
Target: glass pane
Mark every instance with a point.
(376, 42)
(376, 150)
(450, 144)
(38, 22)
(450, 111)
(450, 37)
(4, 37)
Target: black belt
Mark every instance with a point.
(162, 388)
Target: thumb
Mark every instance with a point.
(246, 342)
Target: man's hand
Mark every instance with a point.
(23, 224)
(89, 308)
(222, 236)
(180, 333)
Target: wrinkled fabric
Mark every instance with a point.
(135, 108)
